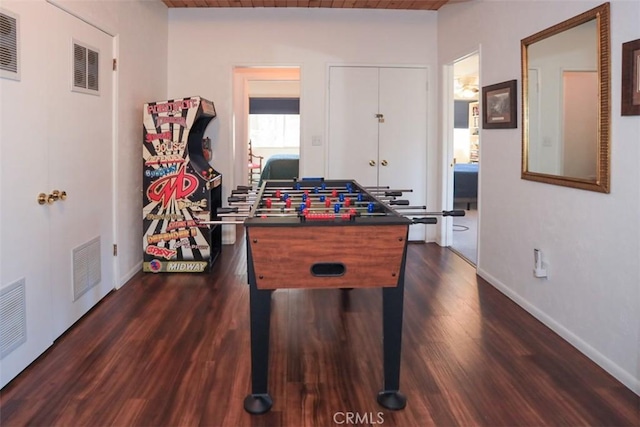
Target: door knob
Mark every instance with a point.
(372, 162)
(57, 194)
(49, 199)
(384, 163)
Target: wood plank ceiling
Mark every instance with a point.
(349, 4)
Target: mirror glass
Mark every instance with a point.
(565, 103)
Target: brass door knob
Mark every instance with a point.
(57, 194)
(42, 199)
(51, 198)
(384, 163)
(372, 162)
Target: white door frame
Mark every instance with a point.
(446, 226)
(241, 74)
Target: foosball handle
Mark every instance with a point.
(456, 212)
(244, 188)
(399, 202)
(393, 193)
(427, 220)
(233, 199)
(226, 210)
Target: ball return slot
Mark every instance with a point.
(328, 269)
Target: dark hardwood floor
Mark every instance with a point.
(173, 350)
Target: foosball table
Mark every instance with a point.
(315, 233)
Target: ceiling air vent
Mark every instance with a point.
(9, 67)
(86, 64)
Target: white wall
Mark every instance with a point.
(205, 45)
(141, 29)
(591, 241)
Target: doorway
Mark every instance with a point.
(267, 122)
(274, 82)
(466, 156)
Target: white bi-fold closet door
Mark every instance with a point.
(378, 129)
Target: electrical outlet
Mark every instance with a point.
(539, 267)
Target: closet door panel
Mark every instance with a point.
(353, 126)
(81, 164)
(24, 223)
(403, 135)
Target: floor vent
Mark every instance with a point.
(13, 317)
(86, 267)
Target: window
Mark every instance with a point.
(274, 122)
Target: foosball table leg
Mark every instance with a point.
(259, 401)
(392, 308)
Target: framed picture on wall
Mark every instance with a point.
(499, 106)
(631, 78)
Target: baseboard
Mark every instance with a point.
(600, 359)
(124, 279)
(228, 234)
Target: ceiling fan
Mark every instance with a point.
(466, 87)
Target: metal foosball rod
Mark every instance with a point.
(293, 194)
(237, 205)
(325, 203)
(241, 199)
(455, 212)
(391, 192)
(312, 209)
(221, 222)
(338, 191)
(234, 215)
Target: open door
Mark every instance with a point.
(464, 149)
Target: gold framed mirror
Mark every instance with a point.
(566, 103)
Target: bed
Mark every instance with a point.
(465, 183)
(281, 166)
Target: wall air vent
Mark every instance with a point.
(86, 65)
(87, 271)
(9, 45)
(13, 317)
